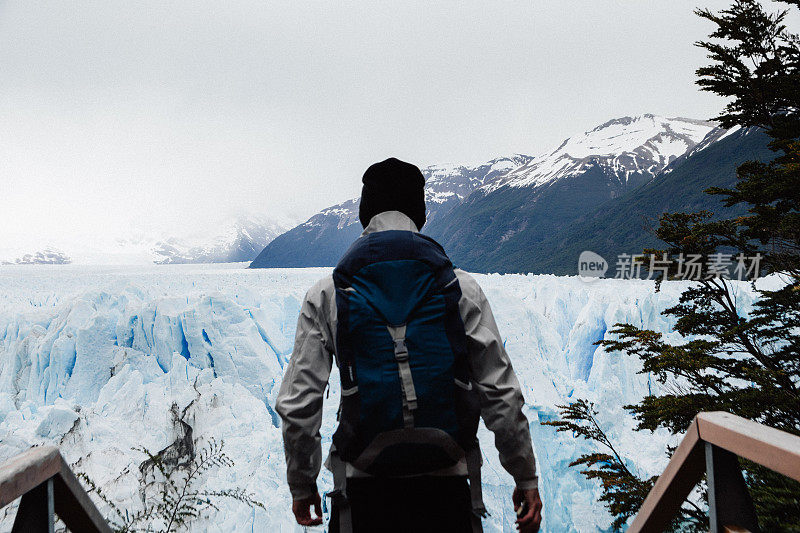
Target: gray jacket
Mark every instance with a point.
(299, 400)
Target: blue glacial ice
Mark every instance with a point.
(92, 359)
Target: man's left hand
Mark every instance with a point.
(302, 510)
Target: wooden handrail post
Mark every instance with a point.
(683, 472)
(720, 438)
(48, 488)
(729, 501)
(36, 512)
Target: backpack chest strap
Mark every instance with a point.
(398, 334)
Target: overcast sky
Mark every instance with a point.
(132, 115)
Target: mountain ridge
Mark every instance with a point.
(477, 211)
(624, 225)
(323, 238)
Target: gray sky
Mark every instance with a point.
(118, 115)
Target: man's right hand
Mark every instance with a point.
(302, 510)
(530, 521)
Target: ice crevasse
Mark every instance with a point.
(102, 360)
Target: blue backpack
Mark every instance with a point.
(408, 402)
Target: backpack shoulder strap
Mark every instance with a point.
(474, 461)
(338, 495)
(398, 334)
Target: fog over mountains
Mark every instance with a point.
(241, 240)
(234, 239)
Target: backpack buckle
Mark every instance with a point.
(338, 497)
(400, 350)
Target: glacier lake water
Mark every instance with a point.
(93, 359)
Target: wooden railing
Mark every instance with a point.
(711, 445)
(48, 488)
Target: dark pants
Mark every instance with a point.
(408, 505)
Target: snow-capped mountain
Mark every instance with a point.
(624, 224)
(240, 240)
(445, 183)
(487, 213)
(321, 240)
(714, 136)
(625, 147)
(48, 256)
(501, 223)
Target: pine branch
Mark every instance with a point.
(623, 492)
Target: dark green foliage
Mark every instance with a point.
(775, 497)
(171, 499)
(736, 364)
(755, 64)
(746, 364)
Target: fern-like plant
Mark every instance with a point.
(171, 497)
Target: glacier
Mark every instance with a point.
(97, 360)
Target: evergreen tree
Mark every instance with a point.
(748, 365)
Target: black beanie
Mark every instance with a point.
(393, 185)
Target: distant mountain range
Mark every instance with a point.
(602, 190)
(502, 223)
(624, 224)
(532, 214)
(48, 256)
(322, 239)
(240, 240)
(237, 239)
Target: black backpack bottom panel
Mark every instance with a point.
(409, 452)
(422, 504)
